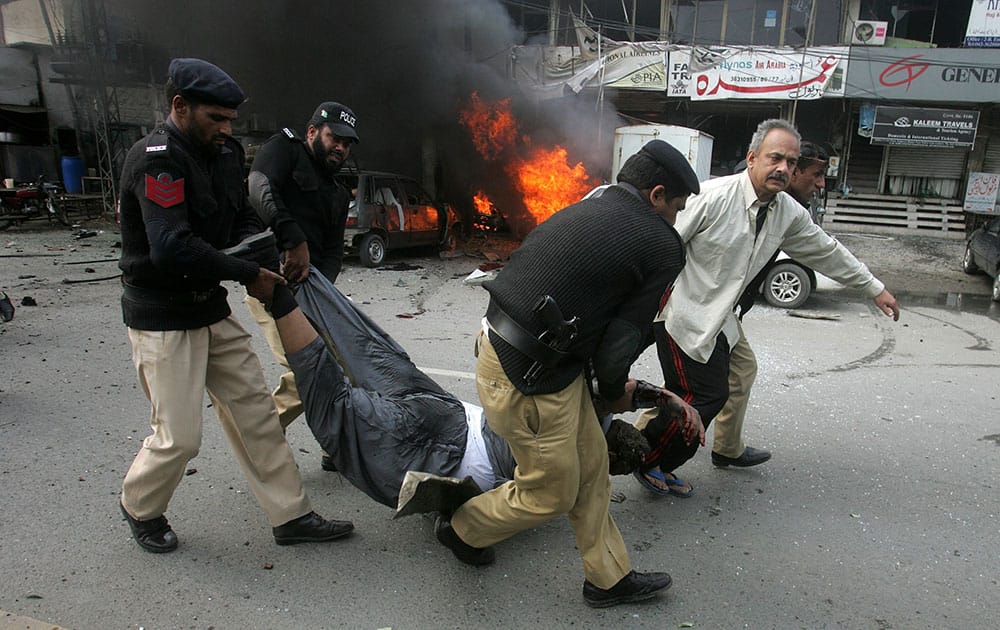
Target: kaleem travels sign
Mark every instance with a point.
(924, 127)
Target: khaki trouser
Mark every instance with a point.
(728, 437)
(562, 468)
(175, 369)
(286, 394)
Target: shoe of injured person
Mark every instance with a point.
(311, 527)
(260, 248)
(465, 552)
(634, 587)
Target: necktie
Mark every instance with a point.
(761, 215)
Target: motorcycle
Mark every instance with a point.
(31, 201)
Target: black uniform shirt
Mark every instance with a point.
(607, 260)
(179, 205)
(300, 201)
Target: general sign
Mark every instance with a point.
(933, 74)
(922, 127)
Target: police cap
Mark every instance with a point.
(205, 82)
(674, 163)
(339, 118)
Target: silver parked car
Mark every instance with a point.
(982, 253)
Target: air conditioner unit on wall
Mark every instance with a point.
(869, 33)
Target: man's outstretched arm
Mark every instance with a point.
(295, 331)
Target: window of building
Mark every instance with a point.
(940, 23)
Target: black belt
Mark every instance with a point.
(523, 341)
(163, 296)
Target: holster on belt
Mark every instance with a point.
(546, 350)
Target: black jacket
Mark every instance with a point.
(297, 199)
(179, 205)
(606, 260)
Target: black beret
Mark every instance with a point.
(674, 163)
(205, 82)
(339, 118)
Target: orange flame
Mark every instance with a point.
(545, 179)
(493, 127)
(548, 183)
(482, 202)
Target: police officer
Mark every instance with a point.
(547, 414)
(183, 199)
(293, 189)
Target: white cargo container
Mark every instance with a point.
(694, 144)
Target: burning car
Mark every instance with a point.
(390, 212)
(487, 218)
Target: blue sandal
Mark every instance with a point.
(673, 483)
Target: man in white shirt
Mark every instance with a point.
(731, 230)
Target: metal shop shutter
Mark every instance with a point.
(991, 161)
(926, 162)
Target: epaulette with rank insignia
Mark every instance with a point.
(162, 188)
(157, 141)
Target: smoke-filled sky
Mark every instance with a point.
(404, 66)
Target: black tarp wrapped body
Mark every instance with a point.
(378, 416)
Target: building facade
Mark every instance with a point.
(845, 71)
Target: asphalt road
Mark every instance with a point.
(880, 508)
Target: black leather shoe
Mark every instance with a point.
(311, 528)
(154, 535)
(328, 464)
(465, 552)
(634, 587)
(750, 457)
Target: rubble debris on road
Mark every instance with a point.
(814, 315)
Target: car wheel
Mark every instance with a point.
(968, 262)
(787, 286)
(996, 287)
(372, 250)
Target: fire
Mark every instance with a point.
(548, 183)
(482, 203)
(493, 127)
(545, 179)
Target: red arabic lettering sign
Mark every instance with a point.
(768, 74)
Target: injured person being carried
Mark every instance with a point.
(378, 416)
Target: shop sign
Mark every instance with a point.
(981, 193)
(922, 127)
(983, 30)
(957, 75)
(756, 73)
